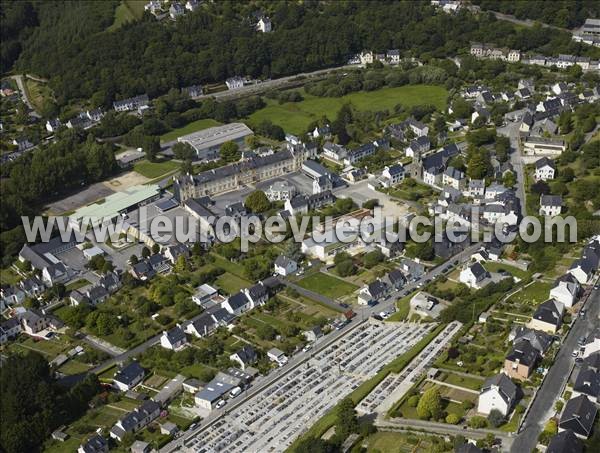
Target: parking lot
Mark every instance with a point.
(274, 418)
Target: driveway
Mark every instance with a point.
(511, 130)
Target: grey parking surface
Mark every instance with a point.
(81, 198)
(274, 418)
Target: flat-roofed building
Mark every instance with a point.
(115, 205)
(207, 142)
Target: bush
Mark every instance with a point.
(413, 401)
(452, 419)
(496, 418)
(477, 422)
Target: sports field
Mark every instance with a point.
(294, 117)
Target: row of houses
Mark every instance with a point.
(391, 56)
(83, 120)
(32, 322)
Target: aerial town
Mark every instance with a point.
(121, 117)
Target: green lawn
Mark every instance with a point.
(8, 276)
(77, 284)
(294, 117)
(327, 285)
(534, 294)
(402, 309)
(127, 11)
(194, 126)
(473, 383)
(231, 283)
(155, 169)
(514, 271)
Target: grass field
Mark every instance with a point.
(534, 294)
(402, 308)
(155, 169)
(327, 286)
(38, 93)
(194, 126)
(127, 11)
(398, 442)
(294, 117)
(515, 272)
(231, 283)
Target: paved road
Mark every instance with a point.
(511, 130)
(443, 428)
(23, 90)
(103, 346)
(526, 22)
(543, 405)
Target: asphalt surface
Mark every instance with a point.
(511, 130)
(543, 405)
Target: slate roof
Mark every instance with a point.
(540, 163)
(247, 354)
(565, 442)
(506, 388)
(578, 415)
(95, 444)
(551, 200)
(478, 270)
(539, 340)
(524, 353)
(376, 288)
(238, 300)
(588, 382)
(547, 312)
(128, 374)
(283, 261)
(175, 335)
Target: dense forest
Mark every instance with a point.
(67, 42)
(33, 404)
(564, 13)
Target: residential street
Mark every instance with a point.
(543, 405)
(511, 130)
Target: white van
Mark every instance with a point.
(235, 392)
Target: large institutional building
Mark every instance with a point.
(234, 176)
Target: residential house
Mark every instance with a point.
(193, 91)
(521, 360)
(95, 444)
(474, 275)
(9, 329)
(476, 188)
(203, 294)
(264, 25)
(234, 83)
(412, 269)
(244, 357)
(418, 128)
(257, 294)
(202, 326)
(128, 377)
(207, 398)
(544, 169)
(583, 270)
(277, 356)
(135, 420)
(11, 295)
(301, 204)
(454, 178)
(34, 321)
(565, 292)
(497, 393)
(285, 266)
(550, 205)
(392, 175)
(173, 252)
(548, 316)
(592, 344)
(176, 10)
(588, 384)
(237, 304)
(394, 279)
(578, 416)
(53, 125)
(418, 146)
(129, 104)
(538, 339)
(312, 334)
(565, 442)
(173, 339)
(373, 293)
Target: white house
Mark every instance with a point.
(264, 25)
(393, 174)
(499, 393)
(592, 344)
(237, 304)
(173, 339)
(53, 125)
(418, 146)
(454, 178)
(583, 270)
(128, 377)
(473, 275)
(285, 266)
(565, 292)
(544, 169)
(550, 205)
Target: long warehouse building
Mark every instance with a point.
(207, 142)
